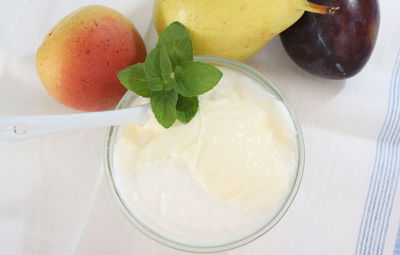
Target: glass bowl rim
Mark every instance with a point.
(262, 79)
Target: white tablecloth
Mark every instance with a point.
(53, 194)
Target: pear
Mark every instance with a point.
(234, 29)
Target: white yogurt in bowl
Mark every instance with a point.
(219, 181)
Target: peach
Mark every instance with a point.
(80, 57)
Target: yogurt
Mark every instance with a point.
(217, 179)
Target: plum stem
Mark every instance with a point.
(321, 9)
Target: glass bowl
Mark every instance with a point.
(130, 214)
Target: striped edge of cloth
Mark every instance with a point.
(397, 247)
(384, 179)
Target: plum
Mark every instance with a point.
(334, 46)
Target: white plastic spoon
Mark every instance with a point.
(25, 127)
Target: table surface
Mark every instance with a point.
(54, 197)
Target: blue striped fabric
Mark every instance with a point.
(397, 246)
(385, 176)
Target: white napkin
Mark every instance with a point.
(53, 194)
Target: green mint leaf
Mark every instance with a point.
(158, 64)
(196, 78)
(170, 83)
(186, 108)
(179, 45)
(165, 62)
(155, 84)
(163, 104)
(158, 84)
(134, 79)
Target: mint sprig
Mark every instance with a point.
(170, 77)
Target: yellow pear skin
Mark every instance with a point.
(234, 29)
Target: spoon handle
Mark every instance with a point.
(25, 127)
